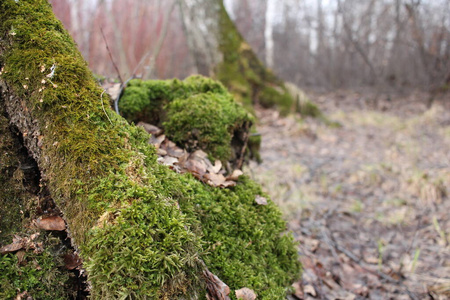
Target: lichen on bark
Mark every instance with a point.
(142, 230)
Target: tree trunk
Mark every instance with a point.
(220, 50)
(142, 230)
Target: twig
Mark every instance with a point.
(104, 110)
(110, 55)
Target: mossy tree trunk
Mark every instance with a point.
(142, 230)
(219, 50)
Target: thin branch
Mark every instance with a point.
(110, 56)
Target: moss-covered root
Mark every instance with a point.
(141, 229)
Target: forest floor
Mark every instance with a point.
(368, 202)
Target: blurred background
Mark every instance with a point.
(392, 45)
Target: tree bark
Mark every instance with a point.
(220, 50)
(142, 230)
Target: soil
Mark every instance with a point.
(368, 202)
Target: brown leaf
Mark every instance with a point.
(215, 179)
(245, 294)
(175, 151)
(168, 160)
(228, 184)
(72, 260)
(195, 166)
(216, 168)
(309, 289)
(235, 175)
(51, 223)
(17, 244)
(157, 141)
(217, 289)
(260, 200)
(152, 129)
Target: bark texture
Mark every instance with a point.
(220, 50)
(142, 230)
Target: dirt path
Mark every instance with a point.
(368, 202)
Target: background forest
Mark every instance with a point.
(393, 45)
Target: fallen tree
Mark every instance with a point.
(142, 230)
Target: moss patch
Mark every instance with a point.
(197, 113)
(141, 229)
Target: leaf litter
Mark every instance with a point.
(197, 163)
(369, 201)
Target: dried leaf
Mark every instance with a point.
(17, 244)
(228, 184)
(161, 152)
(72, 260)
(168, 160)
(152, 129)
(195, 166)
(215, 179)
(175, 151)
(309, 289)
(217, 289)
(216, 168)
(157, 141)
(260, 200)
(51, 223)
(199, 154)
(235, 175)
(245, 294)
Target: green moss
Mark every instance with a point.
(120, 205)
(243, 73)
(197, 113)
(207, 119)
(37, 274)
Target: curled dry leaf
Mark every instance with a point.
(20, 243)
(17, 244)
(72, 260)
(215, 179)
(309, 289)
(152, 129)
(245, 294)
(195, 166)
(260, 200)
(216, 168)
(51, 223)
(235, 175)
(217, 289)
(157, 141)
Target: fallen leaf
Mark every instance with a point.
(51, 223)
(157, 140)
(260, 200)
(245, 294)
(216, 168)
(309, 289)
(217, 289)
(169, 161)
(298, 292)
(228, 183)
(215, 179)
(17, 244)
(152, 129)
(72, 260)
(195, 166)
(235, 175)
